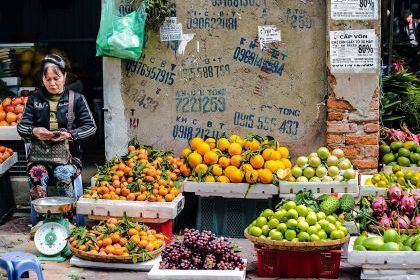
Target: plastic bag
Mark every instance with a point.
(121, 36)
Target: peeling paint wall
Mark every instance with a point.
(218, 81)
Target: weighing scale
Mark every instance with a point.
(51, 238)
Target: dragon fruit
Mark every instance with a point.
(384, 221)
(403, 222)
(408, 204)
(379, 205)
(394, 194)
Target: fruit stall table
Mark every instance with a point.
(7, 202)
(385, 264)
(226, 208)
(158, 215)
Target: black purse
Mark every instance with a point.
(53, 152)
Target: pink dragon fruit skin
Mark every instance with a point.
(395, 193)
(415, 223)
(384, 221)
(379, 205)
(403, 222)
(408, 204)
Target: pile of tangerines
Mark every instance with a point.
(253, 159)
(116, 237)
(5, 153)
(142, 174)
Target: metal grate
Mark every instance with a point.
(18, 169)
(234, 218)
(207, 214)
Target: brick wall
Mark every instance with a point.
(355, 134)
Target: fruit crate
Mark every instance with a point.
(228, 216)
(388, 169)
(9, 133)
(370, 190)
(401, 258)
(280, 263)
(232, 190)
(165, 228)
(141, 210)
(290, 189)
(5, 166)
(172, 274)
(18, 168)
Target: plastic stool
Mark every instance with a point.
(78, 192)
(17, 263)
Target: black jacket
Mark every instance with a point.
(37, 114)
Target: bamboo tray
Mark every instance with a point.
(113, 259)
(296, 246)
(380, 230)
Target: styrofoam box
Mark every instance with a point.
(231, 190)
(169, 274)
(140, 266)
(291, 188)
(12, 81)
(388, 169)
(9, 133)
(400, 273)
(8, 163)
(382, 257)
(133, 209)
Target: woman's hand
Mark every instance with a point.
(42, 133)
(61, 136)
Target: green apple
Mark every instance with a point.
(292, 223)
(290, 234)
(280, 215)
(303, 236)
(265, 229)
(273, 223)
(311, 218)
(282, 227)
(275, 234)
(261, 221)
(320, 215)
(302, 210)
(292, 213)
(255, 231)
(267, 213)
(289, 205)
(303, 226)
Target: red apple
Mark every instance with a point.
(17, 100)
(19, 108)
(9, 108)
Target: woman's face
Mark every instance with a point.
(54, 81)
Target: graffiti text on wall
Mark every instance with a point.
(267, 123)
(298, 18)
(163, 73)
(186, 128)
(212, 20)
(247, 52)
(209, 100)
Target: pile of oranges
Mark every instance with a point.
(116, 237)
(11, 110)
(5, 153)
(235, 160)
(143, 174)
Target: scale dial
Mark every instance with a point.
(51, 238)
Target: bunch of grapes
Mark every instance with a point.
(201, 250)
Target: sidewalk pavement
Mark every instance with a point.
(14, 236)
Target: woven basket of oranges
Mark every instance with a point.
(116, 241)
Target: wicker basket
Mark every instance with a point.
(296, 246)
(380, 230)
(114, 259)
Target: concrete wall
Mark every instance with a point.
(218, 88)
